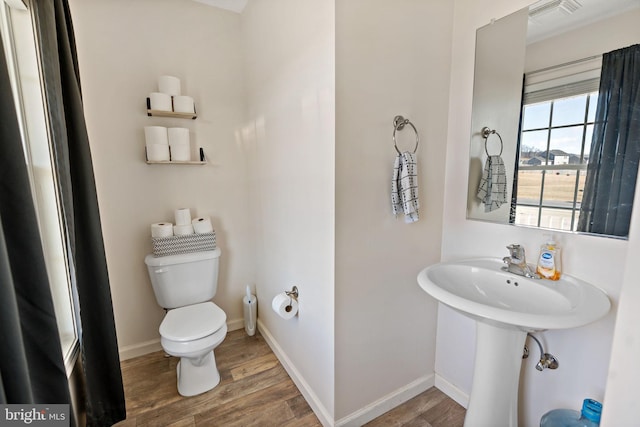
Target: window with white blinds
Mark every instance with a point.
(574, 78)
(558, 114)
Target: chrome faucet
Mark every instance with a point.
(516, 262)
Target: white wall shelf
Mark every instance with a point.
(162, 113)
(169, 162)
(201, 161)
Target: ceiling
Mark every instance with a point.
(236, 6)
(553, 22)
(557, 21)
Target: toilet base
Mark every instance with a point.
(196, 376)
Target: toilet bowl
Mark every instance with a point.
(191, 333)
(193, 326)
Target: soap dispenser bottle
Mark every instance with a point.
(550, 260)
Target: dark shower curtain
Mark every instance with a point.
(615, 148)
(104, 397)
(31, 366)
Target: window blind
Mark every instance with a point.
(563, 81)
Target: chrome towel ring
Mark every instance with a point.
(399, 123)
(486, 132)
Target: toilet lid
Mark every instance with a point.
(192, 322)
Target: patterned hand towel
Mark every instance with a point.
(493, 185)
(404, 187)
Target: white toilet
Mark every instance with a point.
(193, 326)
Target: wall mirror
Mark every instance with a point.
(548, 149)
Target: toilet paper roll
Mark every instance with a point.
(180, 144)
(180, 153)
(285, 306)
(202, 225)
(160, 101)
(183, 104)
(156, 135)
(182, 230)
(177, 136)
(183, 216)
(169, 85)
(162, 229)
(158, 152)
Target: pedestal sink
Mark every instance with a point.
(507, 306)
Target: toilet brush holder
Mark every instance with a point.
(250, 306)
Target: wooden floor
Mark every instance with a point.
(254, 390)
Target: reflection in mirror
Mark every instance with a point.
(571, 145)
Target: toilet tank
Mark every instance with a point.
(184, 279)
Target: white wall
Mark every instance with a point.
(583, 352)
(392, 57)
(123, 47)
(621, 398)
(621, 403)
(289, 142)
(602, 36)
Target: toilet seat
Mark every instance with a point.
(195, 348)
(192, 322)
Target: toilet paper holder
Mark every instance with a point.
(293, 293)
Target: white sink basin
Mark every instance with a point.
(480, 289)
(507, 306)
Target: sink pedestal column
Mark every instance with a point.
(494, 393)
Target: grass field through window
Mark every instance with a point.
(557, 199)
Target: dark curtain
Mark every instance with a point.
(72, 157)
(615, 148)
(31, 365)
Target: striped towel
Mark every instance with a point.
(404, 187)
(493, 185)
